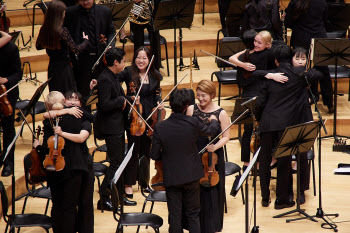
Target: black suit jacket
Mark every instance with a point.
(10, 68)
(103, 24)
(175, 143)
(279, 104)
(111, 97)
(309, 25)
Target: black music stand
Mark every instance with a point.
(332, 52)
(246, 119)
(295, 140)
(338, 17)
(120, 11)
(235, 17)
(237, 185)
(174, 14)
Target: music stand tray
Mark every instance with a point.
(227, 48)
(295, 140)
(239, 109)
(120, 11)
(235, 17)
(332, 52)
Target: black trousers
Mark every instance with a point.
(115, 144)
(85, 218)
(154, 36)
(65, 198)
(185, 199)
(268, 141)
(246, 137)
(9, 132)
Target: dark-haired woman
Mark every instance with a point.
(307, 20)
(149, 98)
(263, 15)
(58, 42)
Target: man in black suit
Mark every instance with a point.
(10, 74)
(96, 21)
(280, 105)
(109, 121)
(175, 143)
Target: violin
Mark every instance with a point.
(137, 126)
(255, 138)
(5, 106)
(157, 116)
(4, 21)
(37, 173)
(54, 161)
(211, 176)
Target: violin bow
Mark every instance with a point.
(132, 108)
(143, 80)
(211, 142)
(219, 58)
(109, 45)
(25, 79)
(150, 115)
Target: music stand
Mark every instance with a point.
(15, 35)
(338, 17)
(297, 139)
(235, 17)
(332, 52)
(174, 14)
(120, 11)
(237, 185)
(246, 119)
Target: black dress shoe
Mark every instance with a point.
(107, 205)
(281, 204)
(265, 202)
(131, 196)
(7, 170)
(127, 202)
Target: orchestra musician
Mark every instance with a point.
(279, 106)
(10, 75)
(212, 198)
(149, 98)
(96, 21)
(109, 121)
(66, 185)
(174, 142)
(58, 42)
(307, 19)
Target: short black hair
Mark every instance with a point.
(299, 51)
(113, 54)
(282, 53)
(248, 38)
(70, 94)
(179, 100)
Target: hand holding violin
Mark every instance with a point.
(137, 99)
(161, 106)
(211, 148)
(58, 130)
(36, 143)
(3, 80)
(93, 83)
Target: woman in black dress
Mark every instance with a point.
(149, 98)
(212, 198)
(58, 42)
(307, 20)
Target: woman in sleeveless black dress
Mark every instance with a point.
(212, 198)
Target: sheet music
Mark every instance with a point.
(249, 168)
(13, 141)
(123, 164)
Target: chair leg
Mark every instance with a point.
(151, 207)
(99, 187)
(167, 58)
(242, 190)
(219, 93)
(225, 203)
(47, 206)
(143, 207)
(24, 204)
(225, 152)
(7, 226)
